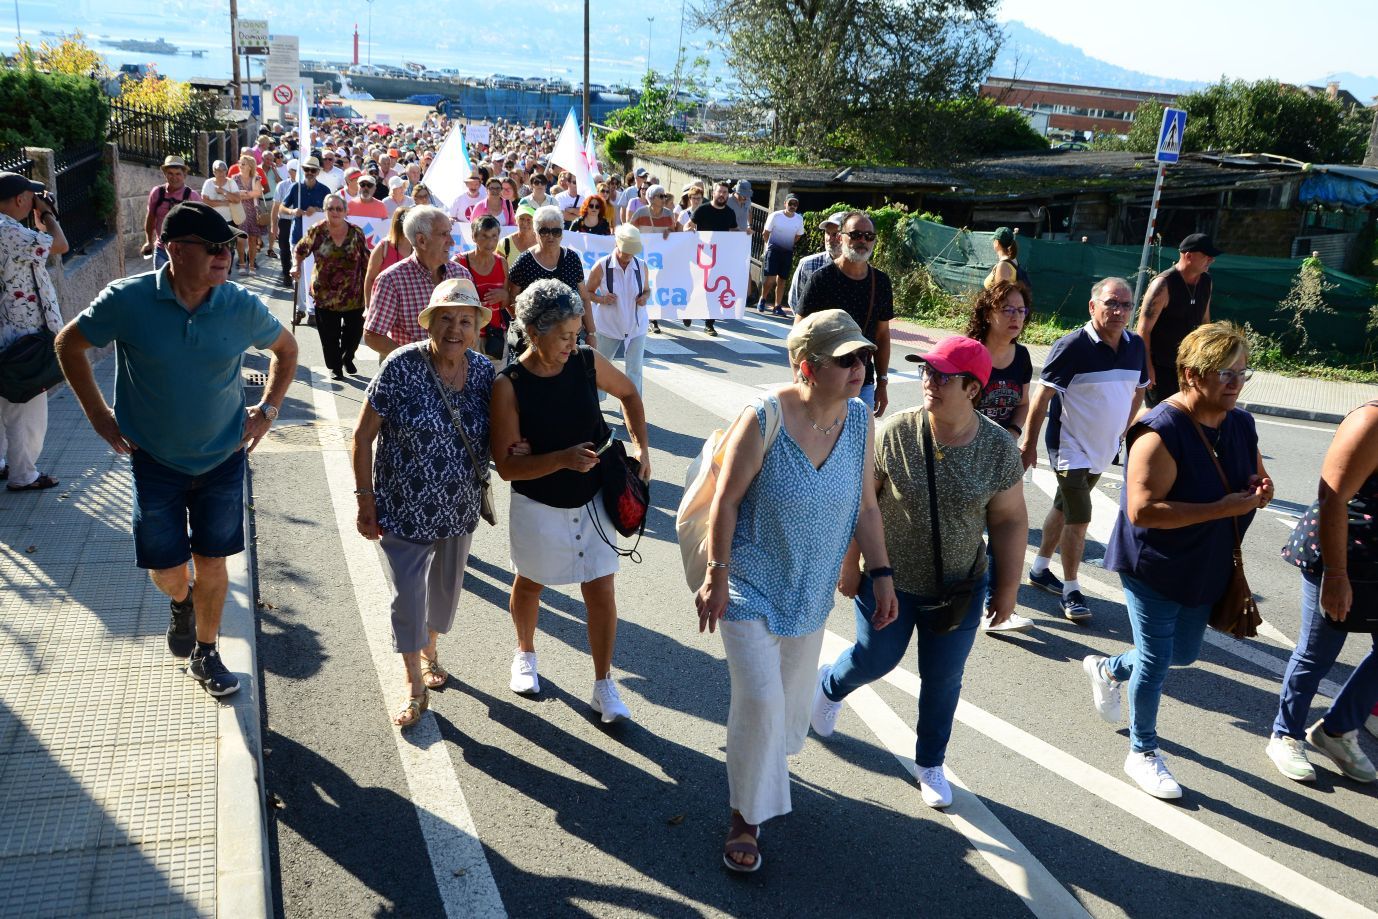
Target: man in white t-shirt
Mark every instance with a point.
(397, 195)
(783, 230)
(568, 198)
(473, 194)
(331, 176)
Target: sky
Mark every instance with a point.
(1208, 38)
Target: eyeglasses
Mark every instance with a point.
(310, 170)
(864, 235)
(1121, 306)
(1013, 311)
(212, 249)
(939, 378)
(848, 361)
(595, 207)
(1230, 377)
(334, 210)
(551, 231)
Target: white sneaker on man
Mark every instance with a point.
(1015, 623)
(934, 788)
(1289, 755)
(607, 702)
(524, 678)
(1343, 751)
(825, 710)
(1105, 692)
(1149, 770)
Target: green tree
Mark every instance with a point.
(55, 110)
(652, 119)
(1261, 117)
(834, 72)
(70, 55)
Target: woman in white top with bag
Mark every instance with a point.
(619, 286)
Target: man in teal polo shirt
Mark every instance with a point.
(180, 334)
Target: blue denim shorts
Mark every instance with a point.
(176, 514)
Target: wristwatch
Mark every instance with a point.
(270, 410)
(882, 378)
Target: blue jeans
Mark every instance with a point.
(633, 356)
(868, 395)
(1166, 634)
(159, 257)
(176, 514)
(942, 658)
(1318, 647)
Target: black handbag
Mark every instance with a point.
(29, 365)
(954, 599)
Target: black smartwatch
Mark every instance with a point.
(886, 572)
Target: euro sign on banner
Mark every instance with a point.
(691, 275)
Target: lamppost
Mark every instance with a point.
(370, 32)
(18, 30)
(649, 20)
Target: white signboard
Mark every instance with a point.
(477, 133)
(251, 36)
(284, 60)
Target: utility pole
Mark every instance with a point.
(679, 54)
(18, 30)
(649, 20)
(370, 32)
(234, 50)
(585, 122)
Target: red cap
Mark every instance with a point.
(957, 354)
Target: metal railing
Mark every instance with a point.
(12, 160)
(80, 171)
(758, 232)
(145, 136)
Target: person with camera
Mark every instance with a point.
(28, 305)
(944, 474)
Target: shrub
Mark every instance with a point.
(54, 110)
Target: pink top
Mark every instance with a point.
(507, 218)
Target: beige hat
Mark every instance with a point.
(828, 333)
(628, 239)
(173, 161)
(454, 292)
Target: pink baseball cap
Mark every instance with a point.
(957, 354)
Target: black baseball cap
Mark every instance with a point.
(12, 185)
(198, 220)
(1199, 242)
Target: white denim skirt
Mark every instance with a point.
(560, 545)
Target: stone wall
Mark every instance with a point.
(132, 184)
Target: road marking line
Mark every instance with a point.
(768, 326)
(1177, 824)
(714, 392)
(742, 345)
(1292, 424)
(1021, 871)
(658, 345)
(460, 867)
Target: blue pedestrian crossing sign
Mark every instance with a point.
(1170, 136)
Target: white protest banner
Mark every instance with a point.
(692, 275)
(478, 133)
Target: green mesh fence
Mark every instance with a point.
(1062, 273)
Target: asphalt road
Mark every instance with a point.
(530, 806)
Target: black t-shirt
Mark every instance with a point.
(556, 413)
(830, 289)
(601, 228)
(708, 217)
(1002, 395)
(527, 271)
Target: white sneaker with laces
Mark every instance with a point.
(1105, 692)
(1149, 770)
(1343, 751)
(1289, 755)
(825, 710)
(607, 702)
(524, 678)
(934, 788)
(1015, 623)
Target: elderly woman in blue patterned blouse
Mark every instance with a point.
(421, 494)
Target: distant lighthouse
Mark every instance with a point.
(356, 44)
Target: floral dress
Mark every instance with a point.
(337, 283)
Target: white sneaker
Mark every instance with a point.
(524, 678)
(934, 788)
(1149, 770)
(1015, 623)
(1105, 692)
(1289, 755)
(607, 702)
(1343, 751)
(825, 710)
(1371, 725)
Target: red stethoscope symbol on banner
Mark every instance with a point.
(728, 298)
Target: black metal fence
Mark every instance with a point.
(83, 193)
(12, 160)
(145, 136)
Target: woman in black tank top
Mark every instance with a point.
(547, 429)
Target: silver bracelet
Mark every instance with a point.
(722, 565)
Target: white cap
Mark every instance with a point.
(397, 182)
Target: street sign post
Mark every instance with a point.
(284, 94)
(283, 67)
(1170, 134)
(251, 36)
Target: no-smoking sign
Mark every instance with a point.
(282, 94)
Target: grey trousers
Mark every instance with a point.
(426, 579)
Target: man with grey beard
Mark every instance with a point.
(808, 266)
(851, 283)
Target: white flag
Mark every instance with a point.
(303, 127)
(569, 155)
(591, 154)
(451, 166)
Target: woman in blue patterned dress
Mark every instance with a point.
(422, 492)
(782, 518)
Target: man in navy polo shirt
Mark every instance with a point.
(180, 334)
(1092, 386)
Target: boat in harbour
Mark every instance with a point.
(161, 46)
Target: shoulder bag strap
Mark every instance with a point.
(480, 472)
(871, 306)
(1220, 470)
(937, 542)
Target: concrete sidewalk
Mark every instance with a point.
(1266, 394)
(125, 789)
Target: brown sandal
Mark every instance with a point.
(735, 845)
(410, 713)
(432, 674)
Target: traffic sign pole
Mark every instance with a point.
(1170, 136)
(1148, 233)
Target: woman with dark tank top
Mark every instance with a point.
(547, 429)
(1173, 541)
(1335, 545)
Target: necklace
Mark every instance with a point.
(1191, 288)
(829, 429)
(938, 445)
(452, 380)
